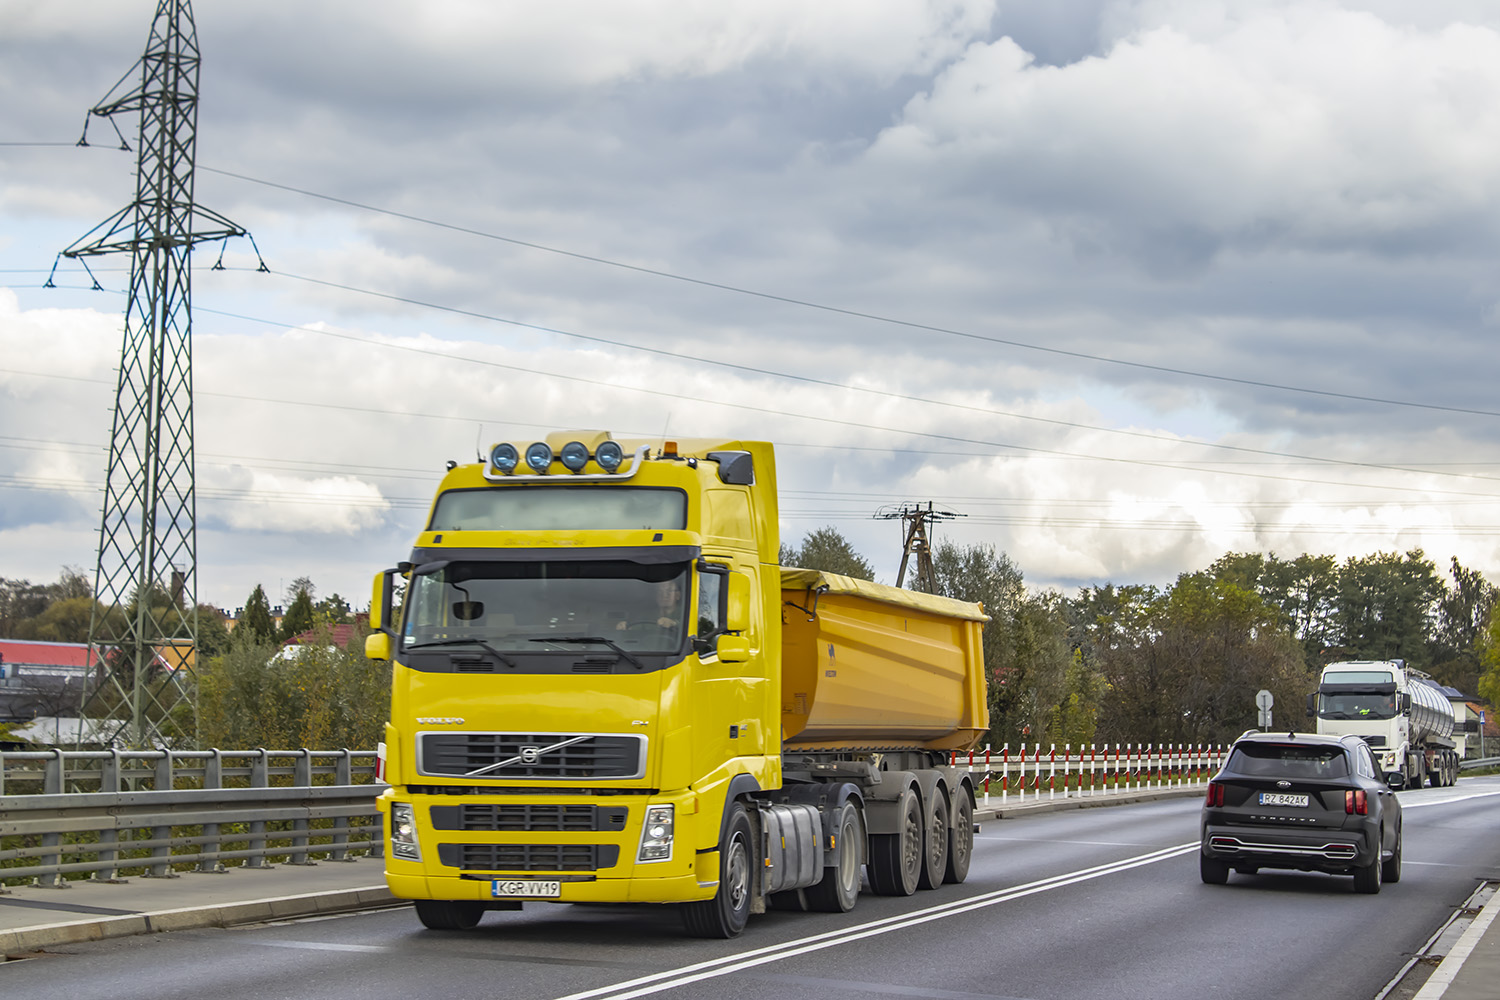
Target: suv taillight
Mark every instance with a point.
(1215, 794)
(1356, 803)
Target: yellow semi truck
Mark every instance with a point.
(606, 690)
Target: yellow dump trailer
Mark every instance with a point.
(605, 689)
(864, 665)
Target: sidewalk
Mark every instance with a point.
(34, 919)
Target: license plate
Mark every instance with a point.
(532, 888)
(1282, 799)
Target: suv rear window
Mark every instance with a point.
(1289, 760)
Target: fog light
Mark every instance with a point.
(574, 456)
(504, 457)
(539, 456)
(404, 832)
(656, 834)
(609, 455)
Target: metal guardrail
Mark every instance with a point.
(1478, 762)
(155, 812)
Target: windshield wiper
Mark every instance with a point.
(580, 639)
(466, 642)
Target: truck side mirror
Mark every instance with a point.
(737, 614)
(378, 645)
(1406, 702)
(1312, 705)
(733, 649)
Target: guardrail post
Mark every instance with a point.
(161, 855)
(302, 778)
(343, 774)
(109, 781)
(260, 777)
(52, 784)
(213, 777)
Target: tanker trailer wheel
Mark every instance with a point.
(935, 844)
(960, 838)
(895, 862)
(839, 890)
(448, 914)
(724, 916)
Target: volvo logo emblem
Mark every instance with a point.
(529, 755)
(1279, 784)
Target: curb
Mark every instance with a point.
(252, 911)
(1453, 963)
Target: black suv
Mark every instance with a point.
(1297, 800)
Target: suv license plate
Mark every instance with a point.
(525, 888)
(1282, 799)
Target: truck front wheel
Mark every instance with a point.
(448, 914)
(725, 915)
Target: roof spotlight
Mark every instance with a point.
(574, 456)
(505, 457)
(609, 455)
(539, 456)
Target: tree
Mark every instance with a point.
(1387, 607)
(1463, 612)
(299, 617)
(333, 610)
(827, 550)
(1489, 659)
(256, 625)
(323, 697)
(1188, 669)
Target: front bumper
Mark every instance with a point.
(447, 868)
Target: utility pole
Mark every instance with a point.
(915, 542)
(144, 629)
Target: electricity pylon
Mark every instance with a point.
(915, 541)
(144, 629)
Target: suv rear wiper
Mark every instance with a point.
(580, 639)
(466, 642)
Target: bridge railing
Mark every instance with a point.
(1028, 773)
(157, 813)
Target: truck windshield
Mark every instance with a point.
(515, 607)
(1348, 705)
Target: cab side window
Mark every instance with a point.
(712, 598)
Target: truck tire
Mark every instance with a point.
(725, 915)
(839, 890)
(960, 838)
(448, 914)
(935, 843)
(895, 862)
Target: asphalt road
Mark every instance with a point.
(1072, 905)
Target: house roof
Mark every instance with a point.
(28, 652)
(340, 635)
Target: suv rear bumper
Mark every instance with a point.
(1336, 852)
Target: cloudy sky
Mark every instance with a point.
(1126, 284)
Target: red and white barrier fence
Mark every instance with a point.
(1092, 769)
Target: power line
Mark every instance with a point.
(680, 356)
(853, 313)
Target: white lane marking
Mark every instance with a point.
(1448, 799)
(319, 946)
(674, 978)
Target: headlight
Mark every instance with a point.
(504, 457)
(574, 456)
(539, 456)
(609, 455)
(404, 832)
(656, 834)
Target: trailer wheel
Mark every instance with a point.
(839, 890)
(935, 844)
(960, 838)
(448, 914)
(725, 915)
(895, 862)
